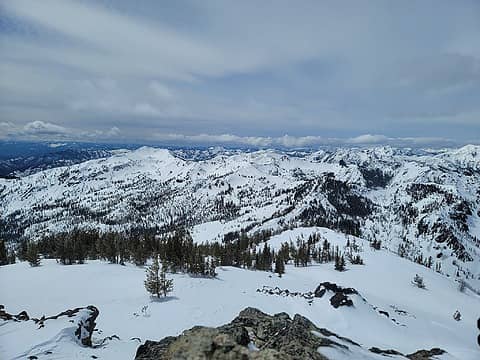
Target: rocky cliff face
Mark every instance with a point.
(256, 335)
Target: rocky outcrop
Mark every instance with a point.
(86, 325)
(251, 335)
(256, 335)
(85, 321)
(425, 354)
(21, 316)
(340, 294)
(417, 355)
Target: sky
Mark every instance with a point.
(260, 73)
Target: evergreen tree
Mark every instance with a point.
(22, 250)
(152, 281)
(166, 285)
(32, 256)
(279, 266)
(139, 253)
(339, 263)
(156, 282)
(11, 256)
(356, 260)
(211, 268)
(3, 253)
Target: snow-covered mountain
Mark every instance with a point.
(422, 204)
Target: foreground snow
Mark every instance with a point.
(118, 292)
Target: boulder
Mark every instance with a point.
(340, 294)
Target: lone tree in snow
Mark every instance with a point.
(32, 255)
(156, 282)
(418, 281)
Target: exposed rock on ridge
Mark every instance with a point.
(256, 335)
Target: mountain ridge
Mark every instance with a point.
(420, 204)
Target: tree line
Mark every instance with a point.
(178, 253)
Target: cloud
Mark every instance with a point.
(368, 139)
(43, 128)
(113, 132)
(287, 141)
(40, 130)
(258, 70)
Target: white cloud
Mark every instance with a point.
(40, 130)
(368, 139)
(288, 141)
(43, 128)
(113, 132)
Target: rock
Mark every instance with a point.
(384, 313)
(340, 297)
(86, 325)
(425, 354)
(324, 286)
(376, 350)
(21, 316)
(251, 335)
(254, 335)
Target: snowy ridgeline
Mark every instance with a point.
(424, 205)
(388, 310)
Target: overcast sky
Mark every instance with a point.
(291, 73)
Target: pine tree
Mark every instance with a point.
(3, 253)
(279, 266)
(152, 281)
(11, 256)
(339, 263)
(211, 268)
(139, 257)
(166, 285)
(32, 256)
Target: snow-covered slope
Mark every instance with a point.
(418, 203)
(388, 312)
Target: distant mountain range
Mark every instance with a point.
(423, 205)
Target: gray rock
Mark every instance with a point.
(259, 336)
(251, 335)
